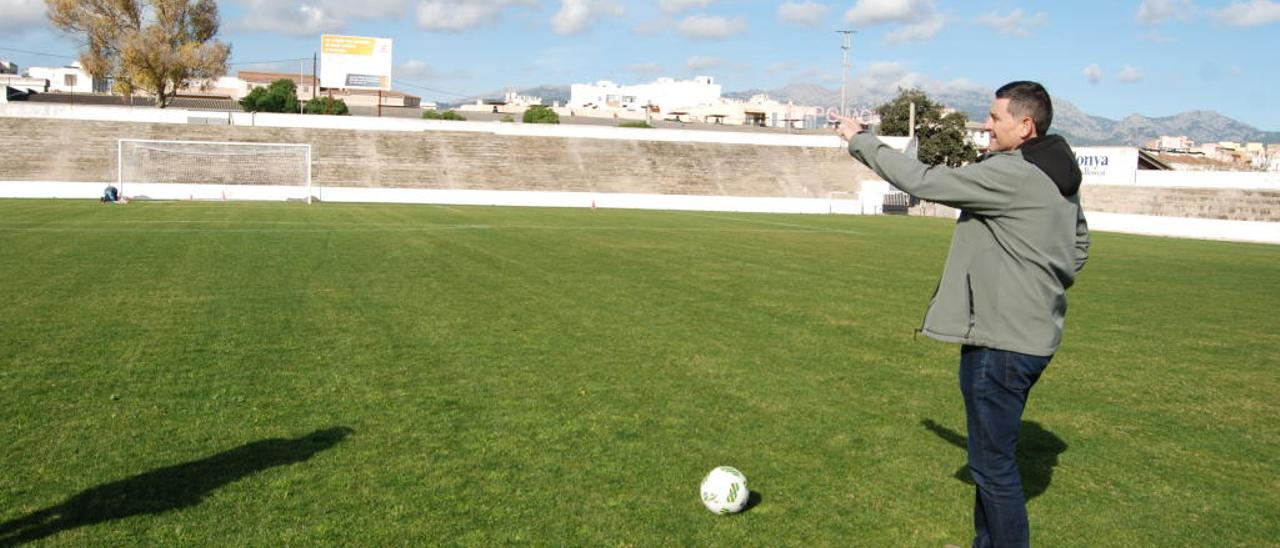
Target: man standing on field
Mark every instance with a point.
(1020, 240)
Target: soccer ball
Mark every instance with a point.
(724, 490)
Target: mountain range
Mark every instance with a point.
(1076, 125)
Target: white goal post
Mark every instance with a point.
(211, 170)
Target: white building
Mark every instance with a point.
(698, 100)
(761, 111)
(13, 83)
(978, 134)
(511, 103)
(664, 95)
(513, 98)
(68, 79)
(238, 86)
(230, 86)
(1179, 143)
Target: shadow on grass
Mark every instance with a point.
(1038, 451)
(753, 500)
(169, 488)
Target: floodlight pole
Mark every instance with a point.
(846, 43)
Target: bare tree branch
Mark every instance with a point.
(157, 46)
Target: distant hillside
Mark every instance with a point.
(1078, 126)
(549, 95)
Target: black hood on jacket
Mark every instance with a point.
(1054, 157)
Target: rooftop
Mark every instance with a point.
(308, 80)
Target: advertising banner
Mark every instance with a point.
(1108, 165)
(355, 62)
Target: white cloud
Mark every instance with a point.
(674, 6)
(287, 18)
(1253, 13)
(575, 15)
(711, 26)
(459, 15)
(1154, 12)
(416, 69)
(1093, 73)
(1130, 74)
(1016, 23)
(312, 16)
(875, 12)
(920, 19)
(699, 62)
(917, 32)
(807, 13)
(20, 14)
(885, 78)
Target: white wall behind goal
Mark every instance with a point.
(868, 203)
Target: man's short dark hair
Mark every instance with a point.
(1029, 99)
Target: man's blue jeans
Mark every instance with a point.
(995, 384)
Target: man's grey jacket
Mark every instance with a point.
(1019, 242)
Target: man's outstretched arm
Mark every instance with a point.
(981, 188)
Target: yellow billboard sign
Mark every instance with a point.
(355, 62)
(347, 45)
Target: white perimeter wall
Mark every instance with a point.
(869, 201)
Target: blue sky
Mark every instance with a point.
(1111, 58)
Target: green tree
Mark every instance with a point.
(280, 96)
(446, 115)
(156, 46)
(941, 134)
(326, 105)
(539, 114)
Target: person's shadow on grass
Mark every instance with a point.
(169, 488)
(1038, 451)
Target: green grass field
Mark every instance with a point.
(278, 374)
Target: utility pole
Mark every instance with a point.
(846, 43)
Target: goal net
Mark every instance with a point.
(209, 170)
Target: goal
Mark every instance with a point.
(213, 170)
